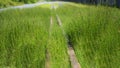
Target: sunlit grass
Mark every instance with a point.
(45, 6)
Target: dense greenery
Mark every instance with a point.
(94, 33)
(6, 3)
(23, 37)
(57, 48)
(112, 3)
(26, 36)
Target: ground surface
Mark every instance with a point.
(59, 35)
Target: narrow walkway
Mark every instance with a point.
(47, 62)
(73, 59)
(71, 53)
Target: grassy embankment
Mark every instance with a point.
(94, 33)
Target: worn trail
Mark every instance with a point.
(71, 53)
(47, 62)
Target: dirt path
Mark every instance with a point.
(73, 59)
(47, 62)
(71, 53)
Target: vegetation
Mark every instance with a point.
(94, 33)
(7, 3)
(26, 35)
(23, 38)
(26, 1)
(57, 47)
(112, 3)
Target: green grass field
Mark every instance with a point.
(23, 37)
(94, 32)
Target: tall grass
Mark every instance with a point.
(57, 46)
(94, 34)
(23, 37)
(93, 31)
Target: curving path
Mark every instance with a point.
(31, 5)
(73, 59)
